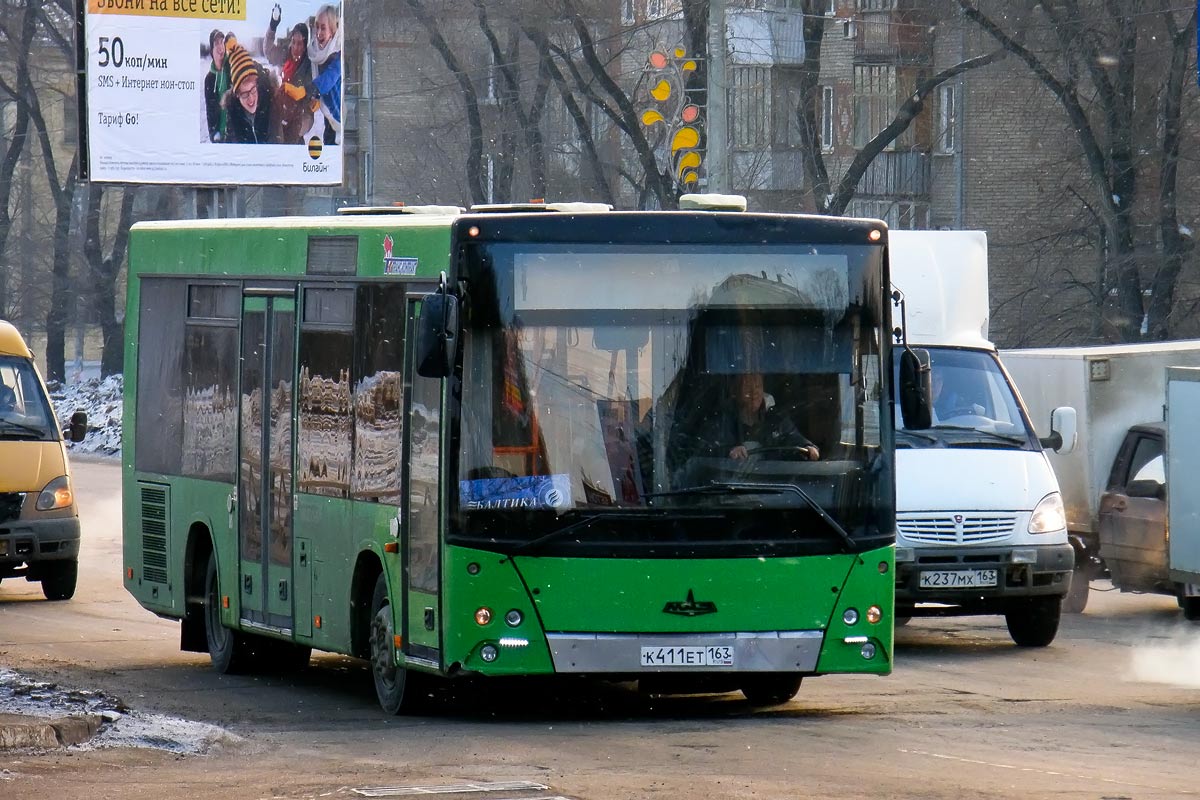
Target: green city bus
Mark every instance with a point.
(489, 443)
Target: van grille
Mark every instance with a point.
(956, 528)
(154, 533)
(10, 505)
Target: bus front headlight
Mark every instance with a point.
(1049, 515)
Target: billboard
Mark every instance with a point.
(215, 92)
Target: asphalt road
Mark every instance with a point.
(1110, 710)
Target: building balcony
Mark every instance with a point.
(892, 37)
(897, 174)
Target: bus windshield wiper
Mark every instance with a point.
(731, 487)
(38, 432)
(577, 524)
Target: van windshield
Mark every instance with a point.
(24, 412)
(973, 405)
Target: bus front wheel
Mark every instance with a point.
(771, 689)
(393, 684)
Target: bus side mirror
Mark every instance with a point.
(78, 427)
(916, 390)
(437, 335)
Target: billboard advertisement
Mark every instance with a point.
(214, 92)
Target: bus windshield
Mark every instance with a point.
(651, 400)
(24, 412)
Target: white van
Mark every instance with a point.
(980, 521)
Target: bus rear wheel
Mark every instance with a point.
(227, 648)
(771, 689)
(394, 686)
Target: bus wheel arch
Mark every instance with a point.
(192, 634)
(362, 589)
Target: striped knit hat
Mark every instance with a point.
(241, 66)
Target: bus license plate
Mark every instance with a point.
(703, 656)
(958, 579)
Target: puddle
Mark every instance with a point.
(122, 726)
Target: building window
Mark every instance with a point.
(827, 119)
(875, 5)
(831, 8)
(655, 9)
(627, 17)
(849, 29)
(898, 214)
(947, 132)
(874, 101)
(750, 106)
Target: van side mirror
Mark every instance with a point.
(1063, 431)
(77, 430)
(915, 389)
(1146, 488)
(437, 335)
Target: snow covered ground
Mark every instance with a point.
(101, 399)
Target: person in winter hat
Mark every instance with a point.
(325, 52)
(216, 84)
(293, 111)
(248, 101)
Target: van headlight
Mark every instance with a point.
(1049, 516)
(57, 494)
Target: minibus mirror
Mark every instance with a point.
(437, 335)
(1063, 428)
(78, 427)
(915, 389)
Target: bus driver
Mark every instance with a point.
(756, 423)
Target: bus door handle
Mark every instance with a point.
(230, 505)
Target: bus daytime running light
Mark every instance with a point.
(510, 641)
(483, 616)
(488, 653)
(850, 616)
(513, 618)
(874, 614)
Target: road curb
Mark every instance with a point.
(24, 732)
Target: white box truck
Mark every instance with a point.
(980, 522)
(1115, 519)
(1183, 467)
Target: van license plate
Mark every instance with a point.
(705, 656)
(958, 579)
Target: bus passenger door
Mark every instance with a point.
(420, 499)
(265, 457)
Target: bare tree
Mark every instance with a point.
(830, 196)
(1093, 57)
(104, 269)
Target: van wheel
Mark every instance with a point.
(1077, 596)
(771, 689)
(59, 579)
(394, 686)
(1033, 622)
(228, 649)
(1191, 607)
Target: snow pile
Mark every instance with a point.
(102, 400)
